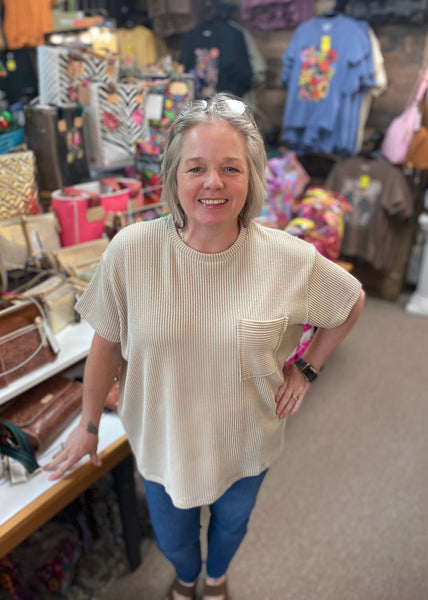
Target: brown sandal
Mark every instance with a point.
(216, 590)
(185, 590)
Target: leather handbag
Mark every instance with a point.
(56, 136)
(41, 414)
(26, 340)
(18, 185)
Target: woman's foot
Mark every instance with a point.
(215, 589)
(181, 591)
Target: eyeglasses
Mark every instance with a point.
(235, 106)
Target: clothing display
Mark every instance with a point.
(393, 11)
(381, 199)
(139, 47)
(196, 463)
(286, 14)
(25, 24)
(257, 63)
(327, 79)
(169, 17)
(216, 53)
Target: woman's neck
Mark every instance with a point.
(209, 240)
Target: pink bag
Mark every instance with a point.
(399, 135)
(82, 209)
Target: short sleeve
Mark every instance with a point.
(332, 292)
(98, 304)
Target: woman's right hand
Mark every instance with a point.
(79, 443)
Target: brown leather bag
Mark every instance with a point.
(26, 341)
(44, 411)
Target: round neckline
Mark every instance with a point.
(204, 256)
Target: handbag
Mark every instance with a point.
(417, 157)
(58, 297)
(80, 261)
(115, 121)
(56, 135)
(399, 135)
(82, 209)
(26, 340)
(34, 419)
(167, 96)
(62, 72)
(18, 186)
(28, 238)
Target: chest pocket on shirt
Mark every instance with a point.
(258, 342)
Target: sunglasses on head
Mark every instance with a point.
(235, 106)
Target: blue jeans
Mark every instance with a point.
(177, 530)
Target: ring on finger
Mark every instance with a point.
(295, 398)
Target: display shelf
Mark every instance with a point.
(74, 342)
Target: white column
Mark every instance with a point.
(418, 302)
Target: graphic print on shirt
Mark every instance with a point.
(206, 68)
(363, 196)
(318, 68)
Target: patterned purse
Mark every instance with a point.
(167, 96)
(116, 121)
(63, 70)
(18, 185)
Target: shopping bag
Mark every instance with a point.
(115, 121)
(82, 209)
(63, 70)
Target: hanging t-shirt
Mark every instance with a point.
(325, 75)
(217, 54)
(381, 199)
(139, 47)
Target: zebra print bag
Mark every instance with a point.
(115, 121)
(62, 71)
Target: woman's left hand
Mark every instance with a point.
(291, 393)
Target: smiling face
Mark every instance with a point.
(212, 176)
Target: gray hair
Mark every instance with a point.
(220, 108)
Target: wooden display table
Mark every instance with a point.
(24, 507)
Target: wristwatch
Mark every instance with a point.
(306, 369)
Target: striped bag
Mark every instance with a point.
(115, 122)
(63, 70)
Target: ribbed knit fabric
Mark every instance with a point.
(204, 338)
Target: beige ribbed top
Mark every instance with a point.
(204, 338)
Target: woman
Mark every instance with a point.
(201, 309)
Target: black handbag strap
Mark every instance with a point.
(15, 443)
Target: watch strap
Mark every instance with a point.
(306, 369)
